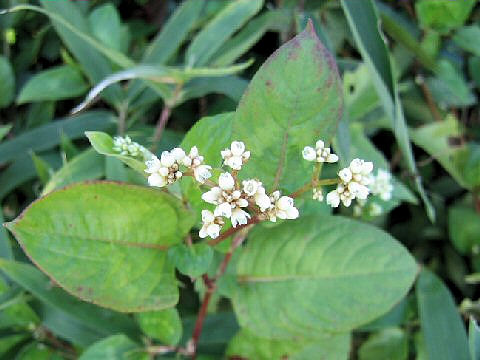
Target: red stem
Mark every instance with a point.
(162, 122)
(211, 287)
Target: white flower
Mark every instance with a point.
(194, 161)
(212, 196)
(381, 185)
(211, 225)
(226, 181)
(317, 194)
(375, 210)
(250, 187)
(236, 156)
(309, 153)
(345, 175)
(321, 153)
(239, 217)
(353, 183)
(282, 207)
(178, 154)
(223, 209)
(333, 198)
(125, 146)
(162, 171)
(202, 173)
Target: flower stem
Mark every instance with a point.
(312, 184)
(212, 286)
(233, 230)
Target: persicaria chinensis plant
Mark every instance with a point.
(247, 208)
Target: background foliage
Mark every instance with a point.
(410, 88)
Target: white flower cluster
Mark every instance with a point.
(166, 170)
(230, 199)
(380, 186)
(354, 181)
(320, 154)
(125, 146)
(236, 156)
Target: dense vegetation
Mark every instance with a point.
(97, 264)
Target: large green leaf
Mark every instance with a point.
(216, 32)
(49, 135)
(105, 243)
(364, 22)
(474, 339)
(249, 346)
(313, 275)
(106, 25)
(293, 100)
(62, 82)
(164, 325)
(443, 330)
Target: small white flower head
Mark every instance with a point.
(381, 185)
(178, 154)
(251, 187)
(333, 198)
(228, 200)
(125, 146)
(226, 181)
(194, 161)
(309, 153)
(321, 154)
(317, 194)
(202, 173)
(211, 225)
(239, 217)
(163, 171)
(353, 183)
(236, 156)
(282, 207)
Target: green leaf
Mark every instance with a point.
(449, 87)
(86, 166)
(360, 95)
(173, 33)
(466, 37)
(434, 138)
(464, 228)
(106, 25)
(244, 40)
(47, 136)
(231, 86)
(293, 100)
(216, 32)
(320, 270)
(7, 86)
(474, 339)
(389, 344)
(42, 167)
(5, 246)
(37, 351)
(247, 345)
(443, 15)
(9, 342)
(113, 348)
(164, 325)
(444, 334)
(191, 260)
(467, 160)
(105, 243)
(103, 144)
(61, 82)
(4, 129)
(364, 19)
(95, 321)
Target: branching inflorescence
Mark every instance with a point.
(239, 200)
